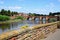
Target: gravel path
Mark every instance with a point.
(54, 36)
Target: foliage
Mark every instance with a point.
(55, 13)
(33, 14)
(30, 14)
(7, 12)
(4, 18)
(50, 14)
(19, 17)
(52, 20)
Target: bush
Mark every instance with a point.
(19, 17)
(4, 18)
(52, 20)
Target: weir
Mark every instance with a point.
(36, 32)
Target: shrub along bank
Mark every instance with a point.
(4, 18)
(20, 17)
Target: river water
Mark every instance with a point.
(17, 25)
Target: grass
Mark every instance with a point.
(24, 27)
(10, 21)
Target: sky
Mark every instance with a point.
(33, 6)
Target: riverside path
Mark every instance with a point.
(54, 36)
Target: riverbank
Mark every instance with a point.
(10, 21)
(31, 33)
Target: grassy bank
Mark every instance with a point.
(10, 21)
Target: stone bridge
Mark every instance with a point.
(36, 32)
(40, 17)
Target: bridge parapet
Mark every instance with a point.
(31, 33)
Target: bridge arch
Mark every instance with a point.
(36, 18)
(43, 19)
(29, 18)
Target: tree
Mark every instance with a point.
(30, 14)
(41, 14)
(9, 13)
(50, 14)
(12, 13)
(55, 13)
(34, 14)
(16, 13)
(2, 11)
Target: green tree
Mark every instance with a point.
(29, 14)
(9, 13)
(16, 13)
(50, 14)
(2, 12)
(41, 14)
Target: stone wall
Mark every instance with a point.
(37, 34)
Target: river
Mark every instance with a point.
(17, 25)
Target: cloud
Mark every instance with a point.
(45, 10)
(50, 7)
(13, 8)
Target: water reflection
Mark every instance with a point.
(17, 25)
(4, 27)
